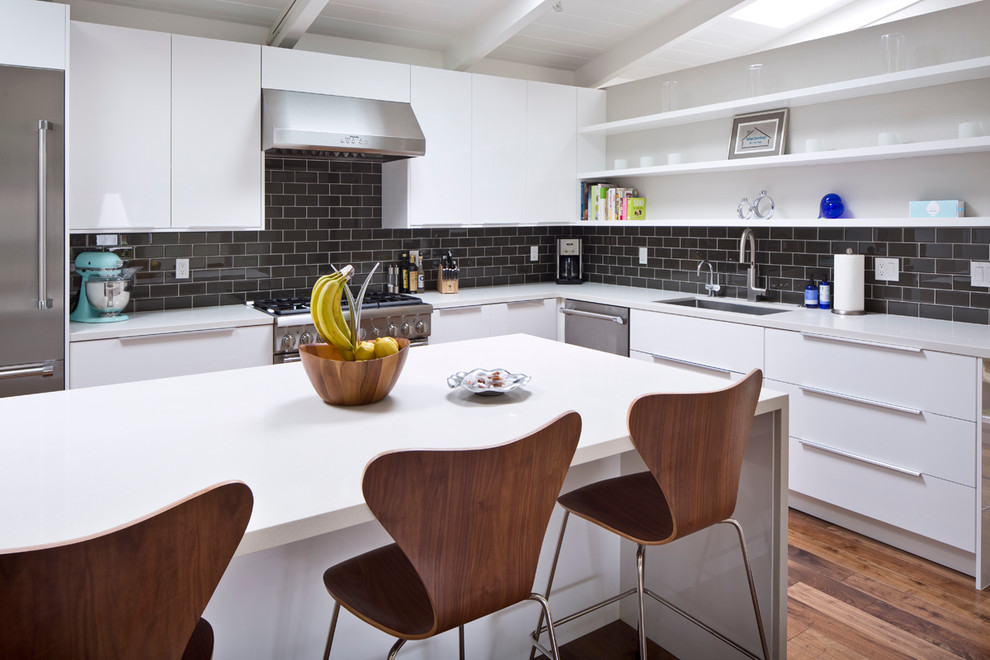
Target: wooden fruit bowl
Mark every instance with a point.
(343, 383)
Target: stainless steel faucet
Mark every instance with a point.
(752, 292)
(712, 286)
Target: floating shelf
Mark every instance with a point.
(939, 74)
(795, 222)
(859, 154)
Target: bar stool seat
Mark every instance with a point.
(631, 506)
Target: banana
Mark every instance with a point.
(327, 313)
(316, 307)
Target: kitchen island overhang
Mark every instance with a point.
(303, 459)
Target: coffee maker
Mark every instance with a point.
(569, 267)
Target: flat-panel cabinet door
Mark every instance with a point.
(498, 137)
(217, 162)
(32, 34)
(322, 73)
(457, 323)
(551, 153)
(531, 317)
(119, 128)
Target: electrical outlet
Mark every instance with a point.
(979, 273)
(534, 253)
(182, 269)
(106, 239)
(886, 270)
(642, 256)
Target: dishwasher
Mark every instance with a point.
(601, 327)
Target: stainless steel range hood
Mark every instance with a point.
(341, 124)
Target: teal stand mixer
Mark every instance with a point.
(104, 292)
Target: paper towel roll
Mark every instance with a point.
(848, 287)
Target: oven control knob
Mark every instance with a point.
(362, 334)
(375, 332)
(420, 327)
(392, 330)
(406, 329)
(288, 341)
(305, 338)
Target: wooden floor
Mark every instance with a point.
(851, 598)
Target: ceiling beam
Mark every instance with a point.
(498, 27)
(294, 21)
(665, 31)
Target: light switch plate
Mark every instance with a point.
(979, 273)
(886, 270)
(182, 269)
(534, 253)
(642, 256)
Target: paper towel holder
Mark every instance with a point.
(845, 312)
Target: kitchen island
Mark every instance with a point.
(80, 461)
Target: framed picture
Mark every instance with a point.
(759, 134)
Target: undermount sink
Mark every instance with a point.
(724, 306)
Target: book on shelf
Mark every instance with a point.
(605, 202)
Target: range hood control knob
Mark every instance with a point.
(288, 341)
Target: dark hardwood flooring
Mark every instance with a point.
(851, 598)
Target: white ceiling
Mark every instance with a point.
(600, 42)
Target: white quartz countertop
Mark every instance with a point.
(171, 320)
(81, 461)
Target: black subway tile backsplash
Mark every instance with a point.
(320, 211)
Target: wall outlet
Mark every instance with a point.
(642, 256)
(534, 253)
(182, 269)
(107, 239)
(887, 270)
(979, 273)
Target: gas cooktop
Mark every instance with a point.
(372, 300)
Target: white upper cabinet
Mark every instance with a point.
(498, 137)
(32, 34)
(435, 188)
(551, 153)
(165, 131)
(217, 162)
(119, 128)
(321, 73)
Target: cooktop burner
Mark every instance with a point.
(372, 300)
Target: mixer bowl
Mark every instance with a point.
(108, 295)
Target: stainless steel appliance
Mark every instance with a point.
(382, 315)
(570, 270)
(602, 327)
(32, 218)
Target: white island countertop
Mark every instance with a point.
(81, 461)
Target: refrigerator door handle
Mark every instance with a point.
(44, 302)
(46, 368)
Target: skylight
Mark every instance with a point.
(782, 13)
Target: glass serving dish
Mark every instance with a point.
(487, 382)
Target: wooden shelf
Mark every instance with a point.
(859, 154)
(795, 222)
(939, 74)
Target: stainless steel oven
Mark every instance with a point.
(602, 327)
(382, 314)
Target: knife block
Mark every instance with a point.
(448, 285)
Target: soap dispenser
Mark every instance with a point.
(811, 294)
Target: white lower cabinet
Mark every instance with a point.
(885, 431)
(142, 357)
(532, 317)
(719, 347)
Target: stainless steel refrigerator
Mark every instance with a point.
(32, 230)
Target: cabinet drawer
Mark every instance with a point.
(916, 379)
(925, 442)
(107, 361)
(727, 346)
(926, 505)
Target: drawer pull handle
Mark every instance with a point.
(691, 364)
(862, 342)
(862, 459)
(185, 333)
(857, 399)
(592, 315)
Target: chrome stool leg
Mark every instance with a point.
(333, 626)
(553, 571)
(395, 649)
(752, 586)
(460, 641)
(641, 591)
(555, 652)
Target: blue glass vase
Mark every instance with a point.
(831, 206)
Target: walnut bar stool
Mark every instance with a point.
(468, 526)
(136, 591)
(693, 445)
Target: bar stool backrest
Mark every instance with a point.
(135, 591)
(472, 521)
(693, 444)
